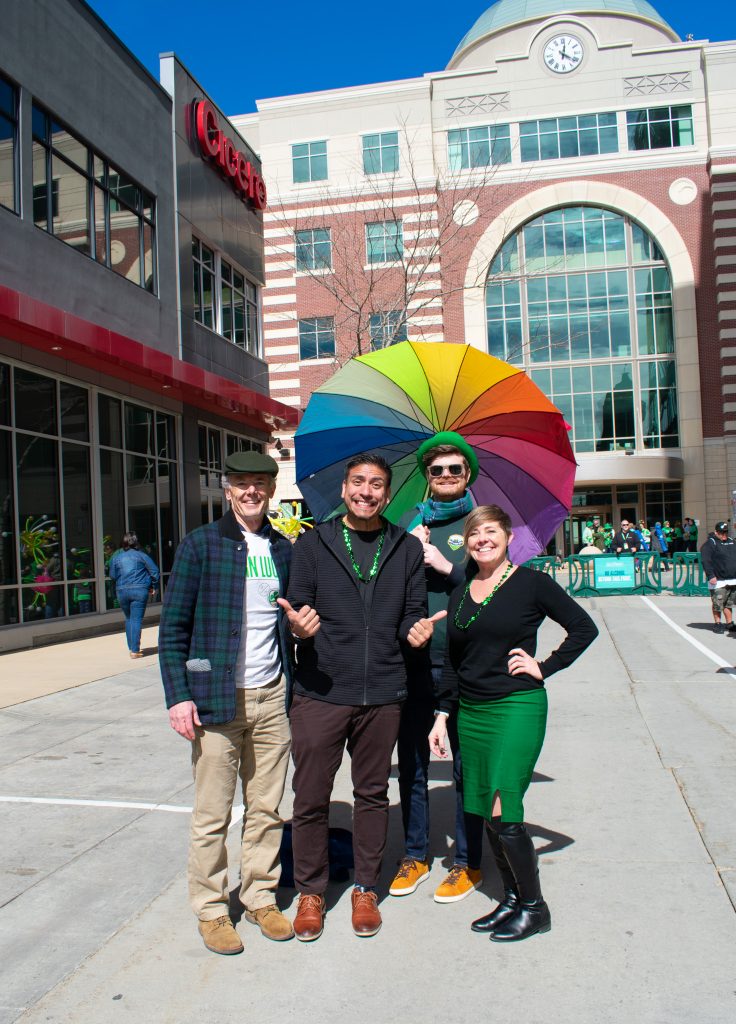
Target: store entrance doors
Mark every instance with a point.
(574, 526)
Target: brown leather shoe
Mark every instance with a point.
(220, 937)
(310, 917)
(272, 922)
(366, 915)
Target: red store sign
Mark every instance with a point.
(220, 150)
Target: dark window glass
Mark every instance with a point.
(77, 507)
(7, 527)
(81, 595)
(140, 475)
(168, 505)
(112, 493)
(215, 456)
(41, 188)
(8, 607)
(39, 122)
(166, 436)
(139, 435)
(7, 97)
(35, 402)
(109, 416)
(4, 394)
(202, 438)
(123, 192)
(74, 412)
(38, 509)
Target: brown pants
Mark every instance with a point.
(319, 733)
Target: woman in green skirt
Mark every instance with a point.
(490, 666)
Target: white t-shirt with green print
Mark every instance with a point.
(259, 661)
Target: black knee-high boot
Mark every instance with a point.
(510, 902)
(532, 914)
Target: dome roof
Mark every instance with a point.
(512, 12)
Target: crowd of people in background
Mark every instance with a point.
(665, 538)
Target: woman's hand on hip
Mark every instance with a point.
(522, 664)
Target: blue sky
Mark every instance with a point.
(241, 52)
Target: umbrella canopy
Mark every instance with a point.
(390, 401)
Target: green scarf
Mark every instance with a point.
(440, 511)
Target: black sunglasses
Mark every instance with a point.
(456, 469)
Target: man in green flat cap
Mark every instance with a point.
(450, 466)
(225, 652)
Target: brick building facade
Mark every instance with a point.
(562, 195)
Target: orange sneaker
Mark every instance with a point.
(460, 882)
(411, 873)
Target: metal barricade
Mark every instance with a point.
(601, 575)
(544, 563)
(688, 575)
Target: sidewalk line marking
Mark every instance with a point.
(125, 805)
(119, 804)
(691, 639)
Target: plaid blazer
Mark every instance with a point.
(202, 617)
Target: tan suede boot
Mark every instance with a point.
(272, 922)
(220, 936)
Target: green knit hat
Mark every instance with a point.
(451, 438)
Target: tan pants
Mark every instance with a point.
(255, 745)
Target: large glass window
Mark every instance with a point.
(387, 329)
(8, 145)
(582, 298)
(139, 490)
(660, 127)
(309, 161)
(556, 138)
(479, 147)
(224, 300)
(381, 153)
(384, 241)
(313, 249)
(79, 197)
(317, 337)
(53, 559)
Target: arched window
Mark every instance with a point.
(581, 297)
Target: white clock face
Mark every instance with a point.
(563, 54)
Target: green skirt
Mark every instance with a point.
(500, 741)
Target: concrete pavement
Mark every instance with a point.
(631, 809)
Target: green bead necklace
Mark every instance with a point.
(484, 602)
(356, 567)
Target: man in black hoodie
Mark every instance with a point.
(364, 579)
(718, 555)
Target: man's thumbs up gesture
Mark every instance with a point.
(304, 623)
(421, 632)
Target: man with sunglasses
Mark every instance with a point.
(450, 466)
(627, 540)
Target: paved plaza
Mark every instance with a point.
(631, 810)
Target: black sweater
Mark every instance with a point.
(476, 667)
(719, 558)
(357, 657)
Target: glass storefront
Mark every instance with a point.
(78, 468)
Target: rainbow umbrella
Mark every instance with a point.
(391, 400)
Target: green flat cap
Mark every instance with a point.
(451, 438)
(251, 462)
